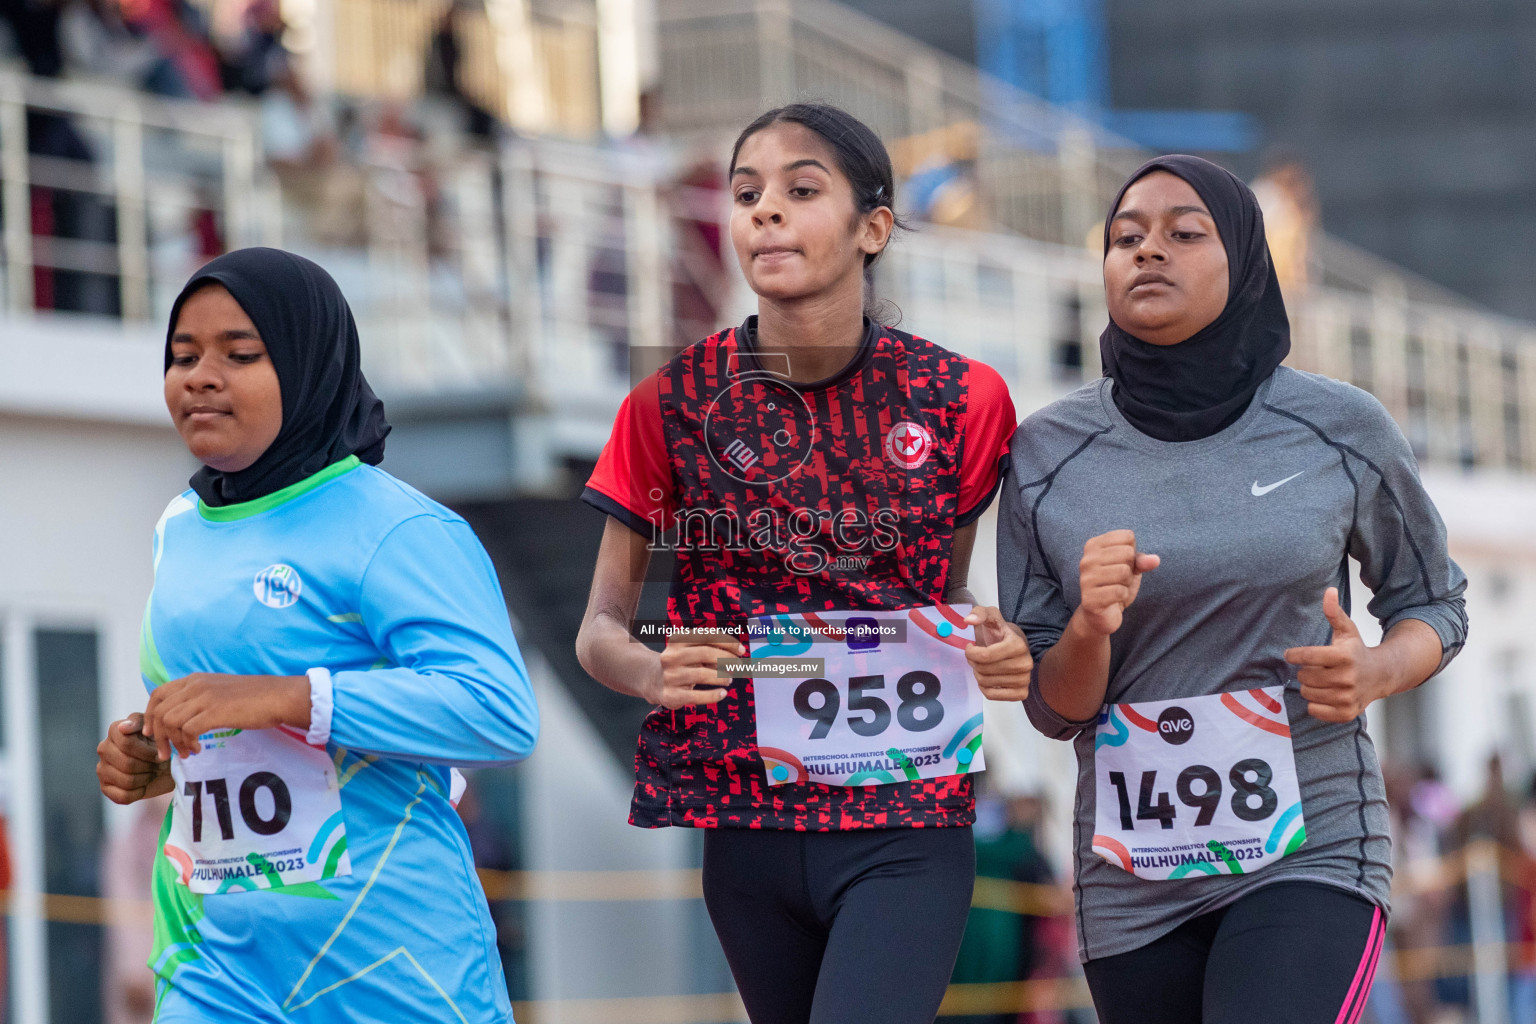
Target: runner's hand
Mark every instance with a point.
(128, 768)
(686, 672)
(1109, 577)
(1000, 656)
(1340, 680)
(183, 709)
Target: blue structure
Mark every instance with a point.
(1059, 50)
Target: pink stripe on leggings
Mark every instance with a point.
(1364, 974)
(1370, 979)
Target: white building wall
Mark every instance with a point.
(1486, 700)
(88, 461)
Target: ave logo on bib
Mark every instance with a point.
(256, 809)
(895, 699)
(1196, 786)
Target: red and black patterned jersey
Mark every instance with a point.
(843, 494)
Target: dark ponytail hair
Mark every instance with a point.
(864, 161)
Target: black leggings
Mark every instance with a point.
(840, 927)
(1290, 953)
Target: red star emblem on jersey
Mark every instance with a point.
(908, 444)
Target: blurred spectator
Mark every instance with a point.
(1493, 816)
(402, 191)
(34, 26)
(1419, 896)
(443, 76)
(295, 133)
(188, 66)
(97, 42)
(128, 987)
(257, 61)
(5, 885)
(703, 272)
(303, 149)
(1289, 203)
(1003, 946)
(1523, 960)
(940, 171)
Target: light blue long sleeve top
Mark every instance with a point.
(353, 572)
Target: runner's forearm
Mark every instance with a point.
(616, 659)
(1073, 675)
(1411, 651)
(959, 594)
(957, 589)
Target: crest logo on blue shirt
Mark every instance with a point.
(278, 586)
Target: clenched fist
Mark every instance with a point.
(128, 767)
(1109, 576)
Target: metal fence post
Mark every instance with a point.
(132, 226)
(1490, 984)
(1525, 384)
(16, 200)
(647, 259)
(525, 295)
(242, 201)
(29, 931)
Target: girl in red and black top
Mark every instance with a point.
(810, 460)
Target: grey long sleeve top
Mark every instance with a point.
(1252, 524)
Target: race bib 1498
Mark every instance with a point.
(892, 699)
(1199, 786)
(256, 809)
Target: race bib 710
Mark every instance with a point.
(893, 700)
(1196, 786)
(256, 809)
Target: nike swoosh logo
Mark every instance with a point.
(1259, 492)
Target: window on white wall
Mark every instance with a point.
(69, 719)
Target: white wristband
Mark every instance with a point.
(320, 704)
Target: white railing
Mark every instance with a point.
(164, 182)
(541, 270)
(1461, 382)
(1042, 172)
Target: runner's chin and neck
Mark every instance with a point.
(820, 331)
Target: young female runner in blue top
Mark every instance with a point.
(322, 645)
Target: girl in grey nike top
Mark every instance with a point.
(1175, 542)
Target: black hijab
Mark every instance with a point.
(329, 412)
(1202, 385)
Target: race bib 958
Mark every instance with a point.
(893, 698)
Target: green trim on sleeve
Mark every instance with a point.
(150, 665)
(256, 506)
